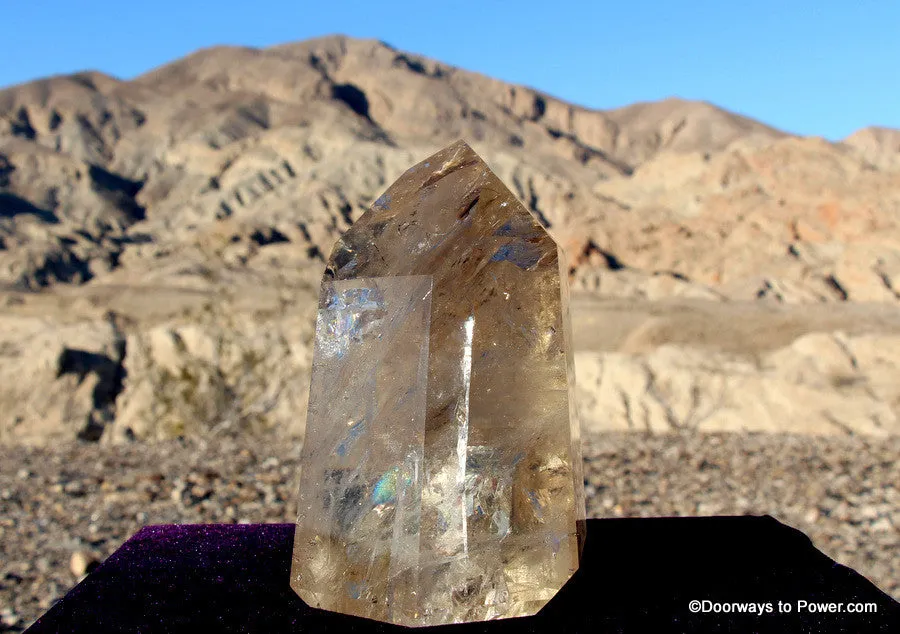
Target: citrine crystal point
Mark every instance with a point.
(441, 470)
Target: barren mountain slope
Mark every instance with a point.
(218, 134)
(881, 146)
(198, 202)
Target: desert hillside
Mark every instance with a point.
(161, 241)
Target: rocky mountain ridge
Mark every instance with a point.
(168, 233)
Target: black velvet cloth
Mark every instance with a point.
(637, 575)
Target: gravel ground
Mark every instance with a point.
(64, 509)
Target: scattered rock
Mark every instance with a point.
(82, 562)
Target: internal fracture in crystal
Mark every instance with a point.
(441, 469)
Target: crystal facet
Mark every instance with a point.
(441, 472)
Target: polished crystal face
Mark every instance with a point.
(441, 471)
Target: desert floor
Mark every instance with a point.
(87, 499)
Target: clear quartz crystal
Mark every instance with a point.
(441, 476)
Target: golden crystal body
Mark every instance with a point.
(441, 476)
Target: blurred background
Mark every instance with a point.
(725, 181)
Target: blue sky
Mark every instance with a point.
(825, 68)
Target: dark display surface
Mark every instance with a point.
(636, 575)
